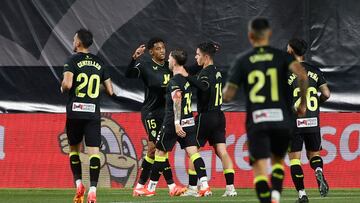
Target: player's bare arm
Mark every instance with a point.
(229, 92)
(108, 87)
(176, 97)
(302, 79)
(325, 93)
(66, 84)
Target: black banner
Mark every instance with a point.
(36, 38)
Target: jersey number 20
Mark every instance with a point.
(92, 83)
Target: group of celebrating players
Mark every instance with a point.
(282, 91)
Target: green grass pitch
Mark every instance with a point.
(124, 195)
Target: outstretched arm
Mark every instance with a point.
(133, 70)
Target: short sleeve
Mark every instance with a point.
(321, 79)
(69, 65)
(173, 85)
(106, 74)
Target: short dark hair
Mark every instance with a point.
(207, 48)
(85, 36)
(153, 41)
(180, 56)
(258, 26)
(298, 45)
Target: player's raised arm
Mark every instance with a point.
(133, 70)
(302, 80)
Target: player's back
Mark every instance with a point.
(263, 72)
(211, 99)
(310, 121)
(178, 83)
(89, 72)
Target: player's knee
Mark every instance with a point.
(294, 155)
(151, 154)
(311, 154)
(221, 153)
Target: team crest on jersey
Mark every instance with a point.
(187, 85)
(153, 133)
(155, 67)
(218, 75)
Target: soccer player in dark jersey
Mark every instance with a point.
(156, 75)
(178, 125)
(210, 120)
(307, 128)
(263, 72)
(83, 74)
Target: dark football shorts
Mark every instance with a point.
(312, 141)
(168, 137)
(263, 143)
(77, 129)
(152, 122)
(211, 127)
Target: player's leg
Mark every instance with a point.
(297, 175)
(261, 180)
(201, 141)
(192, 189)
(229, 173)
(152, 126)
(313, 147)
(74, 131)
(280, 140)
(146, 165)
(218, 141)
(277, 177)
(259, 149)
(93, 142)
(296, 170)
(200, 169)
(161, 166)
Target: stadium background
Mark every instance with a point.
(36, 38)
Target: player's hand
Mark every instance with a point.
(64, 143)
(179, 130)
(139, 51)
(301, 110)
(61, 89)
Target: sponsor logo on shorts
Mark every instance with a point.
(187, 122)
(306, 122)
(266, 115)
(83, 107)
